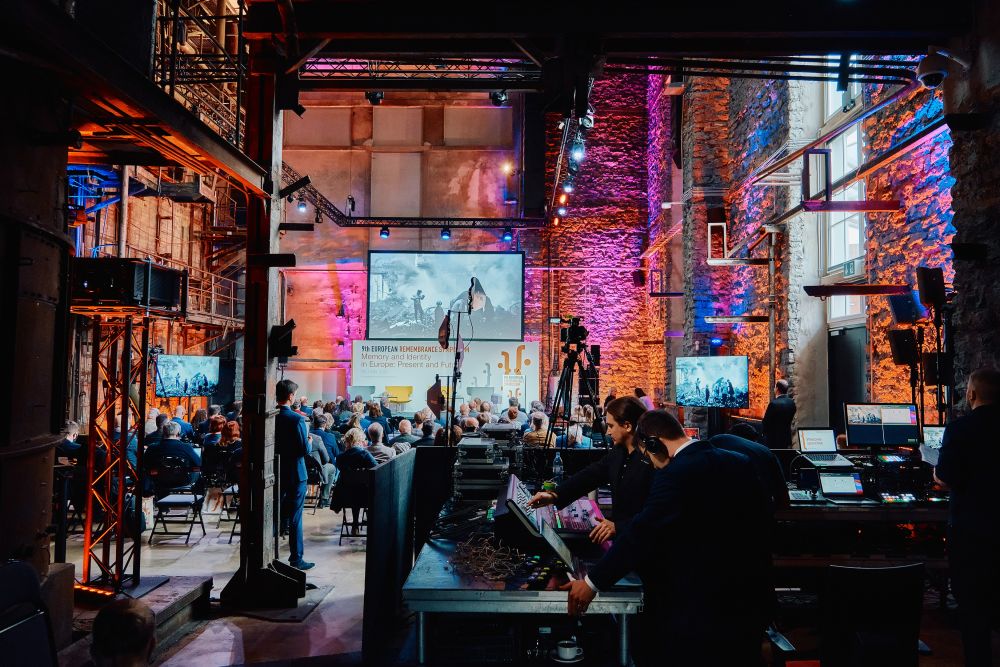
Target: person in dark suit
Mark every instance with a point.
(696, 545)
(320, 422)
(967, 464)
(765, 463)
(171, 445)
(187, 431)
(291, 440)
(777, 423)
(427, 431)
(624, 468)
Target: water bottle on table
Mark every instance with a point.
(557, 468)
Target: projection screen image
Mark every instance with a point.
(410, 292)
(713, 382)
(186, 375)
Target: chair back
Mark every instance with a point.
(314, 471)
(871, 616)
(25, 629)
(171, 472)
(351, 489)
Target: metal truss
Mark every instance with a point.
(493, 72)
(119, 361)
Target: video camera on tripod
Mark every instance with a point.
(574, 334)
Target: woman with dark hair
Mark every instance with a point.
(640, 393)
(441, 436)
(200, 416)
(344, 412)
(624, 468)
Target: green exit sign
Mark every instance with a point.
(850, 268)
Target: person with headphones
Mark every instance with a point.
(624, 468)
(697, 546)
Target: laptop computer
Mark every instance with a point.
(819, 447)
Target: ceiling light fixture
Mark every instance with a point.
(383, 233)
(374, 96)
(446, 233)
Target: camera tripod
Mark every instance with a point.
(564, 390)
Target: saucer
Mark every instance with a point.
(554, 655)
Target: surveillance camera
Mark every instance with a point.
(932, 70)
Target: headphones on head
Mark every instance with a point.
(650, 443)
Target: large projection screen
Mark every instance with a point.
(410, 292)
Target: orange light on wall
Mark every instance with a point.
(563, 198)
(555, 221)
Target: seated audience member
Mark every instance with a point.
(124, 635)
(187, 431)
(487, 409)
(344, 412)
(151, 420)
(200, 418)
(522, 416)
(358, 399)
(405, 434)
(482, 419)
(319, 427)
(205, 428)
(68, 446)
(537, 406)
(539, 428)
(470, 425)
(304, 406)
(574, 438)
(231, 438)
(131, 447)
(511, 416)
(214, 434)
(235, 413)
(441, 437)
(355, 455)
(745, 431)
(427, 430)
(589, 417)
(157, 435)
(384, 407)
(328, 472)
(330, 408)
(474, 407)
(377, 446)
(463, 412)
(171, 445)
(318, 405)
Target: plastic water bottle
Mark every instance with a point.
(557, 468)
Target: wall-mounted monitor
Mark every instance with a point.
(409, 294)
(712, 382)
(180, 375)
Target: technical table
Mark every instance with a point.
(435, 587)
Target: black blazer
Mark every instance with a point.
(697, 546)
(777, 423)
(968, 464)
(629, 475)
(764, 462)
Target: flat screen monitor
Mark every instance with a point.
(817, 440)
(409, 294)
(692, 432)
(712, 382)
(180, 375)
(882, 424)
(933, 435)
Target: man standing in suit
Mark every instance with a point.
(967, 464)
(291, 440)
(778, 417)
(697, 546)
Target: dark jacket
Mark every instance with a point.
(777, 423)
(426, 441)
(356, 458)
(187, 431)
(329, 439)
(291, 441)
(696, 546)
(764, 462)
(968, 463)
(170, 447)
(629, 475)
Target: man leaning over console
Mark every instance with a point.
(697, 546)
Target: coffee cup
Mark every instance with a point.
(568, 650)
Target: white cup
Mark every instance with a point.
(568, 650)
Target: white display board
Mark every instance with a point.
(511, 368)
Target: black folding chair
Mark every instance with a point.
(179, 502)
(352, 492)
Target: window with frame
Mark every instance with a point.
(839, 101)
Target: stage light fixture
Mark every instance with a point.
(563, 198)
(498, 97)
(555, 221)
(587, 121)
(568, 186)
(374, 96)
(446, 233)
(383, 233)
(561, 211)
(507, 168)
(302, 205)
(508, 234)
(716, 342)
(577, 150)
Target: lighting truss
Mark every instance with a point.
(487, 73)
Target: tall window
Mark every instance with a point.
(839, 101)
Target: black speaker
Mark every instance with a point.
(903, 343)
(938, 369)
(906, 308)
(533, 173)
(930, 283)
(587, 380)
(123, 281)
(595, 355)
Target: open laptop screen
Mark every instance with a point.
(841, 484)
(817, 440)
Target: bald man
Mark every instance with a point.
(124, 635)
(967, 465)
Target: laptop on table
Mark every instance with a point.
(819, 447)
(843, 487)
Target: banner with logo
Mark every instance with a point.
(489, 368)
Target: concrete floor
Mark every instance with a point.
(331, 634)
